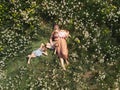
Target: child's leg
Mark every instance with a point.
(31, 56)
(29, 59)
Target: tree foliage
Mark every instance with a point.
(95, 30)
(93, 47)
(19, 22)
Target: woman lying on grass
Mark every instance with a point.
(40, 51)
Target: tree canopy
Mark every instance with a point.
(94, 50)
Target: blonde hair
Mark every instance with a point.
(44, 47)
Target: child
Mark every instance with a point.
(40, 51)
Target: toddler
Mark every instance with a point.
(40, 51)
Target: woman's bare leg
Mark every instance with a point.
(67, 61)
(62, 63)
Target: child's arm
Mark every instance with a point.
(45, 53)
(41, 45)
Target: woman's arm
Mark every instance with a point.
(51, 37)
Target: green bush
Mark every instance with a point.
(19, 23)
(93, 47)
(94, 27)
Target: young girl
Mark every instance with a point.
(40, 51)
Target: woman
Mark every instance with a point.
(58, 41)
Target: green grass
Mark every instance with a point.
(34, 70)
(13, 65)
(46, 72)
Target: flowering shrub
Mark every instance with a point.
(18, 23)
(94, 28)
(93, 47)
(13, 43)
